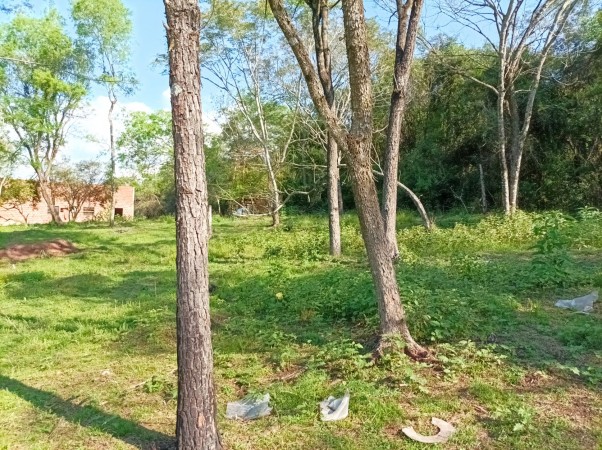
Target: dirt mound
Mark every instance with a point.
(21, 252)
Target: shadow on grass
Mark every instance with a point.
(89, 416)
(334, 303)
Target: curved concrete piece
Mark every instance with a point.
(445, 432)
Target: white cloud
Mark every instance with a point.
(88, 136)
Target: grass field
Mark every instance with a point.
(87, 341)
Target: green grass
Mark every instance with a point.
(87, 342)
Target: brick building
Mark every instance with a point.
(39, 213)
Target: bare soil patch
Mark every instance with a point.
(22, 252)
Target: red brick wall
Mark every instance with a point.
(124, 198)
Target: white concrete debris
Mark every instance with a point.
(583, 304)
(445, 432)
(333, 409)
(249, 408)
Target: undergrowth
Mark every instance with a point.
(87, 342)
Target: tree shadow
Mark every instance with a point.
(89, 416)
(444, 305)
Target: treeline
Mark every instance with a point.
(271, 136)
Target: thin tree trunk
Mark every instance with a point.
(320, 18)
(113, 100)
(405, 43)
(196, 426)
(390, 309)
(340, 193)
(483, 190)
(426, 220)
(501, 135)
(516, 152)
(46, 193)
(209, 222)
(273, 189)
(334, 216)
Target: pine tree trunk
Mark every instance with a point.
(196, 426)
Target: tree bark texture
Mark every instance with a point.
(334, 195)
(355, 143)
(390, 309)
(391, 312)
(407, 30)
(196, 426)
(320, 17)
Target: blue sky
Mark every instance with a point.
(148, 41)
(89, 136)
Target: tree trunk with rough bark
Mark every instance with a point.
(355, 143)
(334, 195)
(320, 17)
(390, 309)
(392, 316)
(196, 426)
(407, 30)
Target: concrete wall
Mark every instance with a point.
(39, 213)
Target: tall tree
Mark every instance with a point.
(320, 12)
(242, 59)
(146, 144)
(356, 143)
(105, 27)
(42, 85)
(525, 33)
(408, 16)
(196, 426)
